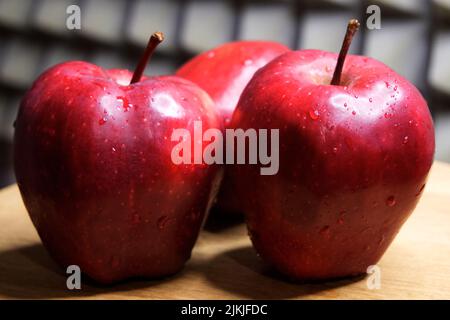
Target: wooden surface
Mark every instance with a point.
(224, 265)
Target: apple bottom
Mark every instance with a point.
(324, 244)
(110, 244)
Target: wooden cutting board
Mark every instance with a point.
(224, 265)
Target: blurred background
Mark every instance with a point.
(414, 40)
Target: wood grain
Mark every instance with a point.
(224, 265)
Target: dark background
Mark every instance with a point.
(414, 40)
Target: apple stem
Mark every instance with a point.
(352, 27)
(153, 42)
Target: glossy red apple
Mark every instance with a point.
(93, 164)
(354, 159)
(223, 73)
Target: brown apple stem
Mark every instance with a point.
(153, 42)
(352, 27)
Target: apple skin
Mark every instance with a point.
(93, 164)
(223, 73)
(354, 160)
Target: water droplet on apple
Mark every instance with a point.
(395, 88)
(370, 100)
(162, 222)
(314, 114)
(341, 217)
(113, 149)
(353, 112)
(102, 121)
(390, 201)
(136, 218)
(387, 84)
(405, 139)
(325, 231)
(123, 102)
(345, 104)
(335, 150)
(194, 216)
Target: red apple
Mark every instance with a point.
(223, 73)
(93, 164)
(354, 159)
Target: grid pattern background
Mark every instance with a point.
(414, 40)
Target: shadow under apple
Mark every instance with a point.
(218, 221)
(240, 271)
(29, 272)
